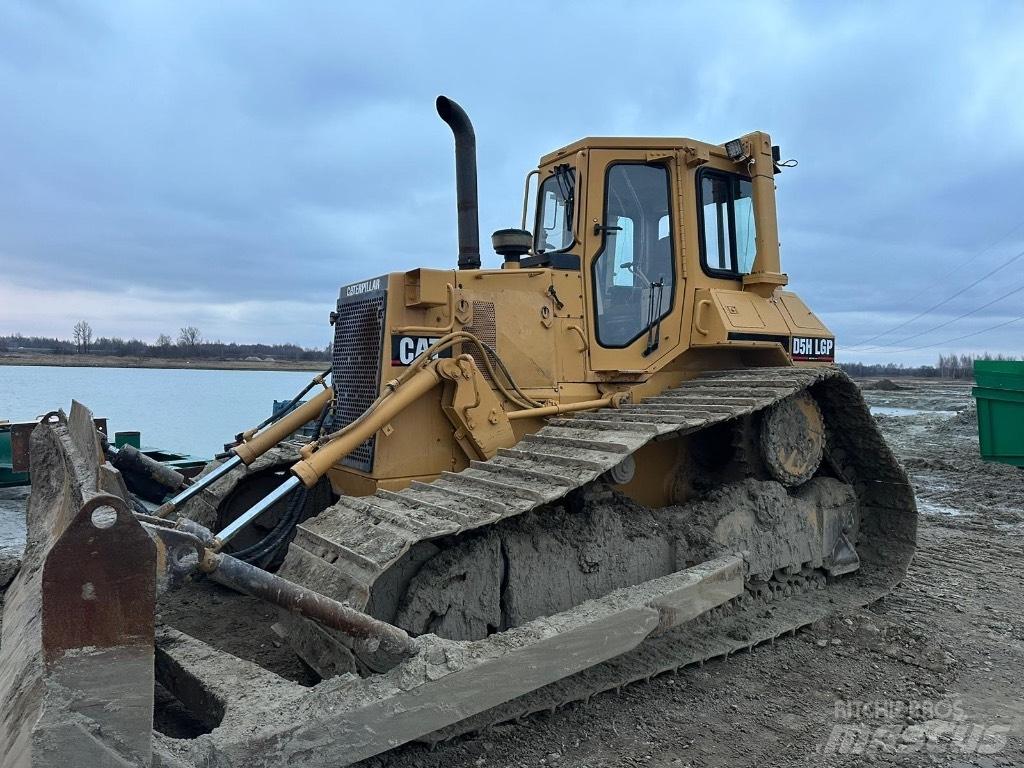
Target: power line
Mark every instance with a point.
(960, 265)
(950, 341)
(943, 302)
(1018, 289)
(944, 275)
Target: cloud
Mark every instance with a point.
(198, 159)
(145, 314)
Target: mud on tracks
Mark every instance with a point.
(950, 637)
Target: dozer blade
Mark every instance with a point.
(272, 722)
(76, 655)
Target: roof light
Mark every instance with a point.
(734, 149)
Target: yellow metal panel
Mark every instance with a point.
(799, 315)
(568, 289)
(621, 144)
(524, 316)
(426, 287)
(739, 309)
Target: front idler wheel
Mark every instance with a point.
(793, 439)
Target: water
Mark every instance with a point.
(932, 508)
(12, 519)
(884, 410)
(189, 411)
(180, 410)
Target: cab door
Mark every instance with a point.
(631, 260)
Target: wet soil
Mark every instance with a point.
(239, 624)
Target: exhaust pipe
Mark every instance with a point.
(465, 181)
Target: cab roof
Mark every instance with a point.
(632, 142)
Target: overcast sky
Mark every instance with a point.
(230, 165)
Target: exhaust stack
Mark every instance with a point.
(465, 181)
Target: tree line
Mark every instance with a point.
(188, 343)
(950, 366)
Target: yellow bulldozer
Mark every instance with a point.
(526, 486)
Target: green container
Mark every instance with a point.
(999, 374)
(121, 439)
(8, 477)
(1000, 397)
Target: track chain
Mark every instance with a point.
(347, 547)
(361, 537)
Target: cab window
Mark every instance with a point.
(633, 272)
(554, 212)
(727, 232)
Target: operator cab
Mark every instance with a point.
(661, 245)
(642, 217)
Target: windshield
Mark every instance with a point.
(554, 211)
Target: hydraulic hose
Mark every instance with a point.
(449, 340)
(265, 551)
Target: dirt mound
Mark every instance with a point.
(929, 462)
(885, 385)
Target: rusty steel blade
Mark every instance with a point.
(76, 656)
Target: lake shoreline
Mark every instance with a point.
(185, 410)
(112, 361)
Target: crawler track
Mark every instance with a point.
(345, 549)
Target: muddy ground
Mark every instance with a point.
(929, 676)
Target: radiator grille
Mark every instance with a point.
(355, 367)
(483, 328)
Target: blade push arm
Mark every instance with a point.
(319, 456)
(481, 426)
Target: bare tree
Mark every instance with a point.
(83, 335)
(189, 337)
(163, 341)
